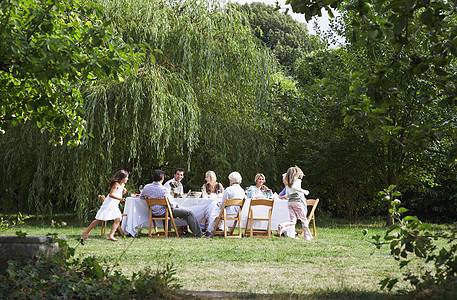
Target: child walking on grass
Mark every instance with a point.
(110, 207)
(296, 204)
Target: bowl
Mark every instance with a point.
(195, 194)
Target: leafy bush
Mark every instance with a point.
(60, 277)
(411, 240)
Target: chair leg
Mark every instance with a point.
(155, 227)
(251, 232)
(225, 224)
(166, 228)
(247, 221)
(233, 227)
(215, 227)
(174, 226)
(103, 231)
(314, 227)
(120, 230)
(150, 224)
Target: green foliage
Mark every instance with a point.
(342, 166)
(288, 39)
(6, 224)
(393, 116)
(410, 240)
(60, 277)
(419, 38)
(47, 48)
(202, 99)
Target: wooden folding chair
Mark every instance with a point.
(236, 219)
(311, 216)
(103, 231)
(168, 215)
(259, 202)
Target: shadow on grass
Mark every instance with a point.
(341, 295)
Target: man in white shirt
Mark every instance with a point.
(174, 185)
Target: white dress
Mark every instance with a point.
(110, 207)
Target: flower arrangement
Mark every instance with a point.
(266, 191)
(174, 185)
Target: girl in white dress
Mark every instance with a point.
(110, 207)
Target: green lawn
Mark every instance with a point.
(337, 264)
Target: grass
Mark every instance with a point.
(337, 264)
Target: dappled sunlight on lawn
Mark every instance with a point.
(338, 260)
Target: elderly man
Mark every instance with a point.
(158, 191)
(234, 191)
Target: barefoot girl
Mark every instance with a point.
(296, 198)
(110, 207)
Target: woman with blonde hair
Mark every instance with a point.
(212, 186)
(259, 190)
(296, 202)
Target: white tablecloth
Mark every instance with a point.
(138, 215)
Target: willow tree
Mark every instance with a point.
(200, 98)
(213, 49)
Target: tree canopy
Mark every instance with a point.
(288, 39)
(211, 93)
(47, 48)
(422, 40)
(203, 97)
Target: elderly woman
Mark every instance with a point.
(259, 190)
(234, 191)
(212, 186)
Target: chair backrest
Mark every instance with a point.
(268, 203)
(313, 203)
(237, 218)
(264, 202)
(230, 202)
(168, 214)
(154, 201)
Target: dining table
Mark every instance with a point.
(136, 214)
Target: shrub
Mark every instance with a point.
(60, 277)
(410, 239)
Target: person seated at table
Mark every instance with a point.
(282, 195)
(211, 186)
(234, 191)
(158, 191)
(174, 185)
(259, 190)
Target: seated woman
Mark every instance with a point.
(234, 191)
(259, 190)
(211, 186)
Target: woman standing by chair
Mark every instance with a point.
(259, 190)
(211, 186)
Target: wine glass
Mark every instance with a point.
(203, 192)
